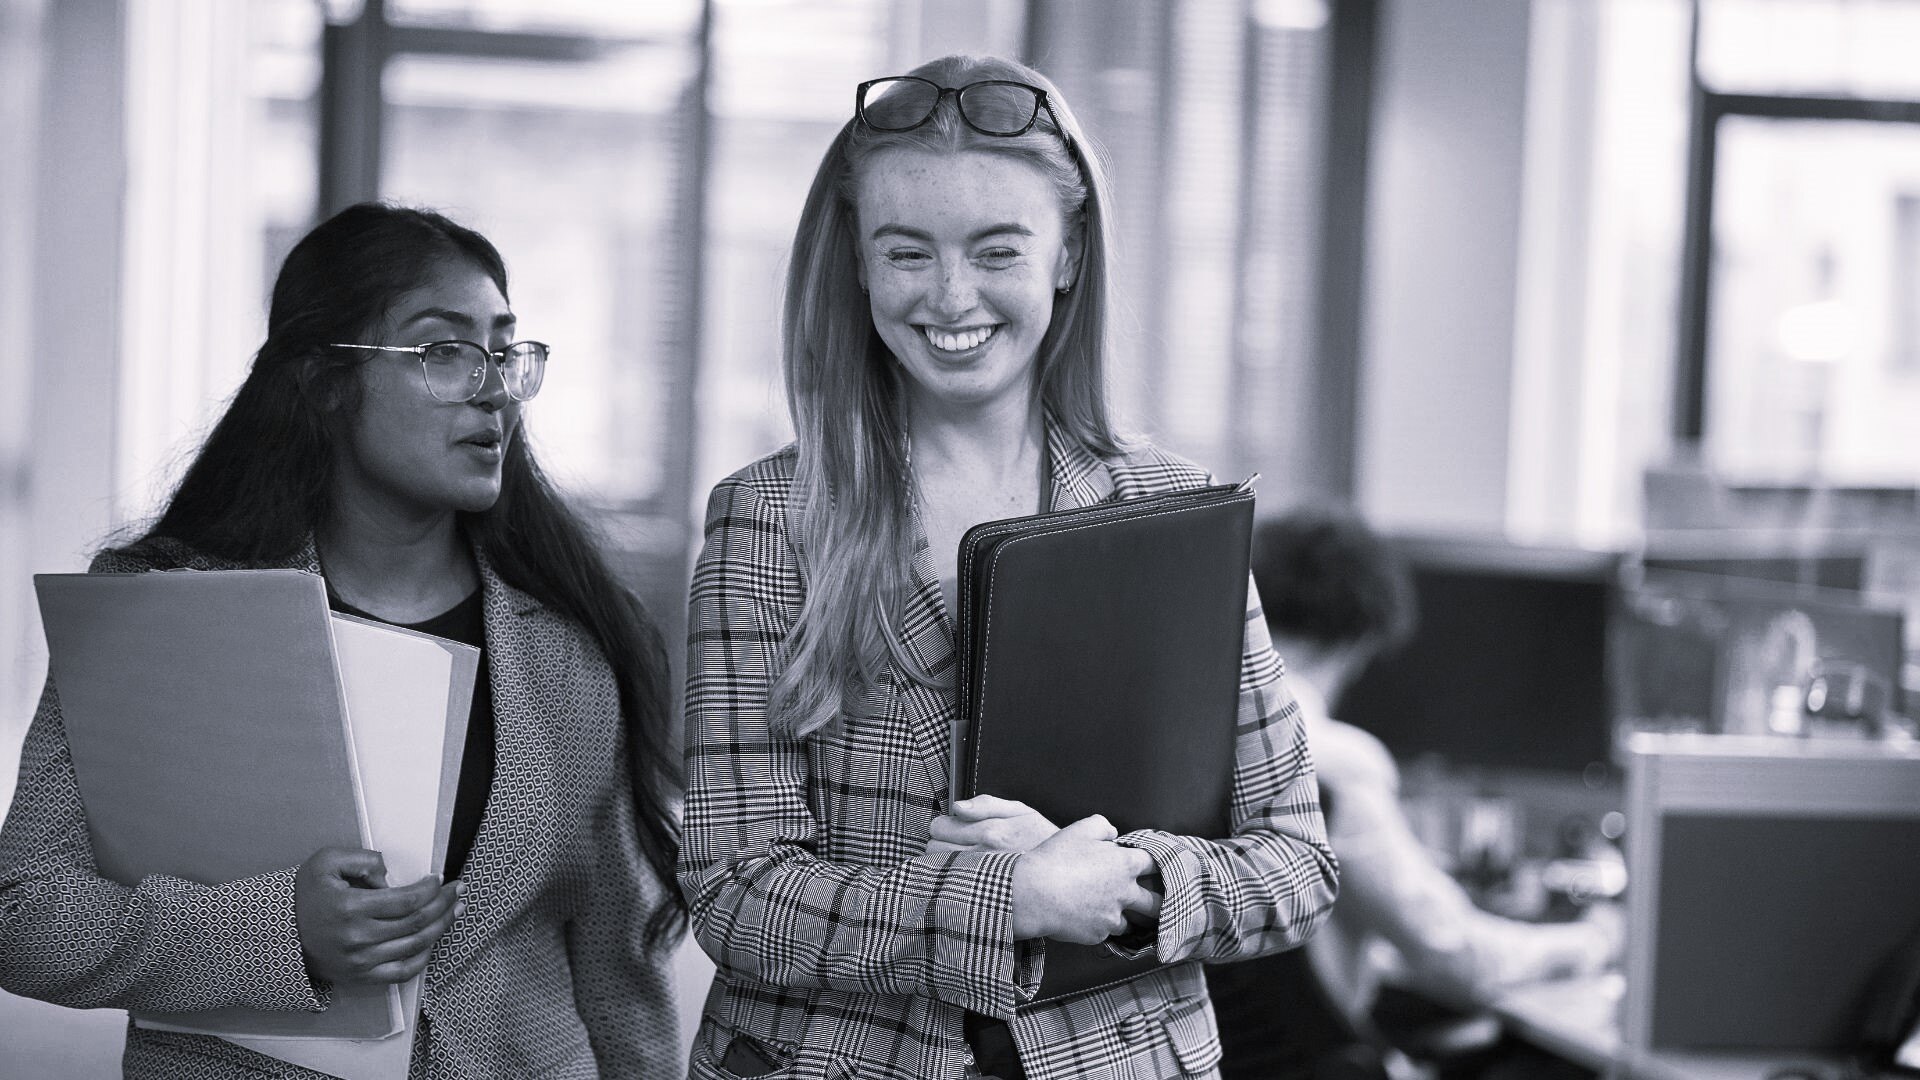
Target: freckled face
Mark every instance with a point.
(408, 450)
(961, 255)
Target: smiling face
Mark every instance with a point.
(407, 454)
(961, 255)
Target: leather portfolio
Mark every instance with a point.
(1099, 673)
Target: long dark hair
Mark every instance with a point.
(257, 489)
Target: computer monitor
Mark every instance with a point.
(1769, 878)
(1507, 667)
(1707, 652)
(1831, 569)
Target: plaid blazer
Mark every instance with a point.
(545, 974)
(841, 948)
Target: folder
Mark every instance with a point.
(409, 696)
(1099, 672)
(225, 724)
(204, 716)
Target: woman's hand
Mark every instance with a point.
(987, 823)
(354, 929)
(1078, 885)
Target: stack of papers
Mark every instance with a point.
(225, 724)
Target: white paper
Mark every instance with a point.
(396, 694)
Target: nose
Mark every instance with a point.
(493, 394)
(956, 292)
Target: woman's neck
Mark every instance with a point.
(1001, 446)
(403, 568)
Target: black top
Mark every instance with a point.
(463, 622)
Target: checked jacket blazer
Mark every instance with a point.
(545, 975)
(842, 949)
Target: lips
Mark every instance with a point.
(960, 340)
(486, 440)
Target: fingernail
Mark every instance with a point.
(459, 888)
(459, 908)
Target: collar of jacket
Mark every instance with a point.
(495, 592)
(1080, 478)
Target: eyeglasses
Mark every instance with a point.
(456, 370)
(990, 107)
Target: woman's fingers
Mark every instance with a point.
(404, 948)
(1144, 901)
(396, 902)
(981, 807)
(397, 971)
(953, 831)
(1022, 832)
(423, 916)
(1093, 827)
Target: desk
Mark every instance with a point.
(1579, 1020)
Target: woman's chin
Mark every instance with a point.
(474, 496)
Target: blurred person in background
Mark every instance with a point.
(1336, 597)
(377, 441)
(945, 325)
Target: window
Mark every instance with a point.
(1796, 364)
(1807, 373)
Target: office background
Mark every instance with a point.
(1582, 274)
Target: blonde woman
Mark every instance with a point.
(944, 336)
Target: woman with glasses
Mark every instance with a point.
(377, 440)
(944, 346)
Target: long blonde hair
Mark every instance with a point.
(850, 514)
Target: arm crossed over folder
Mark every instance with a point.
(1115, 662)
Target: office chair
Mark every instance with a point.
(1277, 1022)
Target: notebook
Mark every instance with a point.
(1100, 670)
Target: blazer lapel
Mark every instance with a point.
(517, 833)
(1079, 477)
(927, 628)
(933, 711)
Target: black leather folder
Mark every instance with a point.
(1100, 672)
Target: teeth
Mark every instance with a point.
(968, 339)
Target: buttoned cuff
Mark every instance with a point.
(1183, 919)
(286, 965)
(976, 964)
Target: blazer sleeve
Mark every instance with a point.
(1266, 887)
(622, 984)
(764, 905)
(75, 938)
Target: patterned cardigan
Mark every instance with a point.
(545, 974)
(845, 951)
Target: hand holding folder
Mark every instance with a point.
(224, 725)
(1100, 655)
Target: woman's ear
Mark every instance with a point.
(1070, 252)
(316, 387)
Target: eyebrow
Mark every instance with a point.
(1003, 229)
(458, 318)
